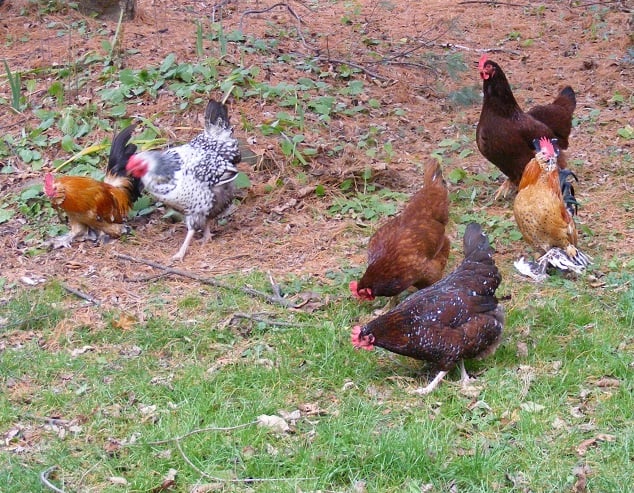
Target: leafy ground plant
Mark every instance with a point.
(233, 371)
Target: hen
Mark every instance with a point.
(505, 133)
(544, 215)
(455, 319)
(94, 206)
(196, 178)
(411, 249)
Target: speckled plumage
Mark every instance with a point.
(456, 318)
(196, 178)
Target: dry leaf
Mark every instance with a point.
(78, 351)
(124, 322)
(608, 382)
(206, 488)
(582, 448)
(168, 482)
(522, 350)
(581, 473)
(531, 407)
(118, 480)
(359, 487)
(275, 423)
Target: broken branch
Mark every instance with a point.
(207, 280)
(44, 475)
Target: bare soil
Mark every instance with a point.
(279, 226)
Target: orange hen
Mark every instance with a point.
(93, 206)
(543, 218)
(411, 249)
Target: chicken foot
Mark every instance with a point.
(431, 385)
(183, 249)
(504, 190)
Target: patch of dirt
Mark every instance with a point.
(280, 228)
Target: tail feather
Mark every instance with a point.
(568, 98)
(568, 190)
(121, 151)
(476, 245)
(216, 115)
(561, 260)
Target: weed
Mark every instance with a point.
(15, 83)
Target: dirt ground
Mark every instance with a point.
(540, 47)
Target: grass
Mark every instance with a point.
(104, 393)
(114, 391)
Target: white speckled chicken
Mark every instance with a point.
(454, 319)
(196, 178)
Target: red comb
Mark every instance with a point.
(482, 61)
(546, 146)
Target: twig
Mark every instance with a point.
(81, 294)
(494, 3)
(177, 442)
(46, 482)
(147, 278)
(199, 430)
(207, 280)
(268, 9)
(257, 318)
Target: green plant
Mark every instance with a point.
(15, 84)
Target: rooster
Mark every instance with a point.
(411, 249)
(544, 215)
(505, 133)
(196, 178)
(454, 319)
(92, 206)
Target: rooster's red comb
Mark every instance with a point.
(482, 61)
(546, 146)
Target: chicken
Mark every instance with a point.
(505, 133)
(454, 319)
(195, 178)
(411, 249)
(545, 216)
(92, 206)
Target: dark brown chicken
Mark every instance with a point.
(411, 249)
(505, 133)
(455, 319)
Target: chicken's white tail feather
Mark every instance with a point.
(530, 269)
(559, 259)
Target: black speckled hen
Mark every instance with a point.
(196, 178)
(455, 319)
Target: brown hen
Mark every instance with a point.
(454, 319)
(411, 249)
(505, 133)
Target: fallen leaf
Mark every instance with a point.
(124, 322)
(118, 480)
(275, 423)
(582, 448)
(311, 409)
(168, 481)
(206, 488)
(581, 473)
(531, 407)
(359, 487)
(522, 350)
(78, 351)
(291, 417)
(608, 382)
